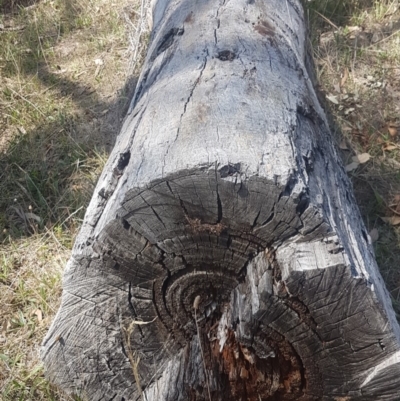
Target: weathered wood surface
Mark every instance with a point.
(224, 184)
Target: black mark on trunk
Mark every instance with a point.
(168, 39)
(226, 55)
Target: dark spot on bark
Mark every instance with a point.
(264, 28)
(125, 224)
(307, 112)
(308, 163)
(288, 188)
(123, 160)
(229, 170)
(226, 55)
(250, 1)
(303, 204)
(168, 39)
(103, 193)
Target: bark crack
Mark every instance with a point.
(196, 82)
(218, 22)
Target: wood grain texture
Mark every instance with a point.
(224, 184)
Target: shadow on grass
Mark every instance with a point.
(47, 174)
(13, 6)
(339, 12)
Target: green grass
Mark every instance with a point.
(60, 113)
(30, 273)
(46, 176)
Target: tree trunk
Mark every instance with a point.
(223, 256)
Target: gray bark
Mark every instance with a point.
(224, 192)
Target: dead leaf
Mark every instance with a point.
(392, 130)
(348, 111)
(395, 204)
(352, 166)
(332, 98)
(389, 146)
(374, 234)
(22, 130)
(361, 158)
(38, 314)
(394, 220)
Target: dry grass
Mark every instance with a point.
(30, 272)
(66, 79)
(357, 54)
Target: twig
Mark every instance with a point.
(71, 215)
(327, 20)
(133, 359)
(195, 307)
(11, 28)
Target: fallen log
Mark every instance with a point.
(223, 256)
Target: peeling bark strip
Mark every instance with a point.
(224, 199)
